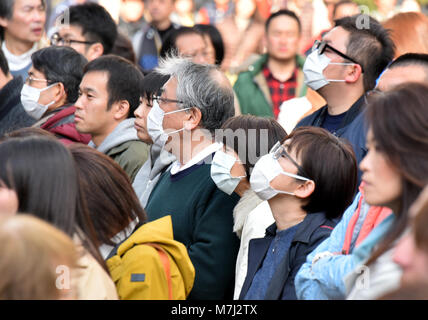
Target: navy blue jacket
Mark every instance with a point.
(310, 233)
(353, 127)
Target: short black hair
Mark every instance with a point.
(411, 59)
(283, 12)
(123, 48)
(96, 23)
(61, 64)
(372, 47)
(152, 85)
(169, 45)
(4, 66)
(216, 40)
(124, 80)
(335, 179)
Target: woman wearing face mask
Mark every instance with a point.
(308, 181)
(231, 170)
(51, 89)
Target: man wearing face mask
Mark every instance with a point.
(51, 89)
(196, 100)
(342, 68)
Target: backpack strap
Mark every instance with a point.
(165, 261)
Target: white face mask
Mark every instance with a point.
(266, 169)
(30, 101)
(221, 165)
(155, 123)
(313, 70)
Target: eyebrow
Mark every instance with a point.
(88, 90)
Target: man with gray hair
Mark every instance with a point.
(195, 101)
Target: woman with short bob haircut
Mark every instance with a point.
(395, 170)
(308, 181)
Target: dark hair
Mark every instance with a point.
(124, 80)
(411, 59)
(330, 162)
(283, 12)
(169, 45)
(152, 84)
(27, 132)
(61, 64)
(398, 120)
(216, 40)
(96, 23)
(6, 9)
(48, 186)
(123, 48)
(420, 222)
(4, 66)
(372, 47)
(111, 200)
(255, 144)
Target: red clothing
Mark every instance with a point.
(280, 91)
(62, 125)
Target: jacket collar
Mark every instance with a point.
(306, 228)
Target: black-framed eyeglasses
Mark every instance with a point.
(278, 150)
(166, 100)
(322, 45)
(56, 40)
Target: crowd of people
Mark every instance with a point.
(213, 150)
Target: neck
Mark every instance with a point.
(242, 187)
(282, 69)
(287, 211)
(16, 47)
(98, 138)
(190, 145)
(161, 25)
(340, 103)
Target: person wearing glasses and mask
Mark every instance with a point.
(51, 89)
(342, 68)
(91, 31)
(306, 197)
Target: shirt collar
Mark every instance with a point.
(177, 167)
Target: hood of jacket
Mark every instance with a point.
(123, 132)
(160, 232)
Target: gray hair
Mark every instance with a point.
(200, 86)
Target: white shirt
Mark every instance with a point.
(177, 166)
(18, 62)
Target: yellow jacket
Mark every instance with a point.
(139, 272)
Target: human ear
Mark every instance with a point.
(193, 118)
(304, 190)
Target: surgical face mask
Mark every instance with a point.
(30, 101)
(313, 70)
(155, 123)
(265, 170)
(221, 165)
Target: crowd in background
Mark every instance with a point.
(213, 150)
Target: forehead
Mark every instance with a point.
(283, 23)
(22, 3)
(170, 86)
(398, 75)
(70, 31)
(189, 41)
(95, 80)
(337, 38)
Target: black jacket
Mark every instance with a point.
(310, 233)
